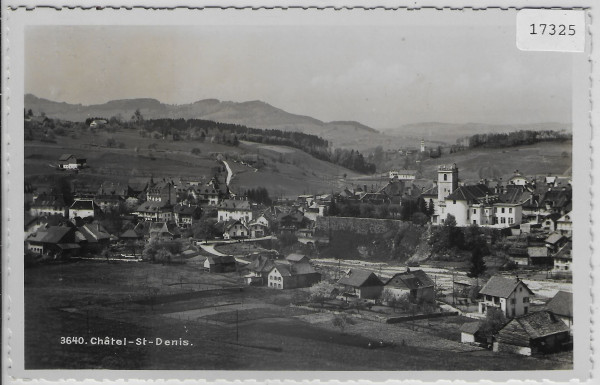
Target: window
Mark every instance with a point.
(503, 210)
(474, 211)
(512, 301)
(502, 220)
(445, 178)
(520, 289)
(525, 309)
(454, 201)
(525, 299)
(510, 210)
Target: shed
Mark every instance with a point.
(220, 264)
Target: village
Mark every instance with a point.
(490, 265)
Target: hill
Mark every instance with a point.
(252, 114)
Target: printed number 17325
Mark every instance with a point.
(552, 29)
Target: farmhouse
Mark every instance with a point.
(184, 215)
(510, 295)
(220, 264)
(52, 204)
(529, 334)
(416, 284)
(562, 261)
(362, 284)
(234, 209)
(233, 229)
(84, 208)
(564, 224)
(292, 276)
(70, 162)
(561, 305)
(55, 240)
(164, 231)
(258, 270)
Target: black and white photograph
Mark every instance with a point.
(362, 191)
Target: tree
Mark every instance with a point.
(419, 218)
(477, 267)
(196, 151)
(321, 292)
(342, 321)
(494, 321)
(111, 142)
(137, 116)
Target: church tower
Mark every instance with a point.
(422, 145)
(447, 180)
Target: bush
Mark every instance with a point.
(196, 151)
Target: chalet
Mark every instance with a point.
(259, 227)
(292, 276)
(362, 284)
(564, 224)
(403, 174)
(184, 215)
(562, 261)
(93, 237)
(561, 305)
(220, 264)
(529, 334)
(292, 221)
(54, 240)
(549, 222)
(84, 208)
(164, 231)
(414, 283)
(234, 209)
(510, 295)
(70, 162)
(258, 270)
(233, 229)
(539, 256)
(555, 241)
(52, 204)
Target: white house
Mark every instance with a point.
(510, 295)
(235, 229)
(70, 162)
(234, 209)
(564, 224)
(83, 208)
(403, 174)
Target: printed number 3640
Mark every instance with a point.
(552, 29)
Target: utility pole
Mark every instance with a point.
(237, 328)
(453, 291)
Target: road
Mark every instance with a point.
(229, 173)
(209, 246)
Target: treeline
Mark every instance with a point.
(230, 134)
(414, 210)
(259, 195)
(516, 138)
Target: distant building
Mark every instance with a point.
(51, 204)
(297, 258)
(529, 334)
(234, 209)
(361, 284)
(70, 162)
(510, 295)
(220, 264)
(292, 276)
(415, 284)
(403, 174)
(562, 261)
(561, 305)
(84, 208)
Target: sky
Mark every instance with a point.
(383, 76)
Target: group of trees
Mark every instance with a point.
(450, 239)
(259, 195)
(415, 210)
(516, 138)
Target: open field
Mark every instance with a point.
(225, 326)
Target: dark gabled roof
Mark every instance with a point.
(554, 238)
(93, 232)
(65, 157)
(231, 204)
(164, 227)
(499, 286)
(470, 327)
(262, 264)
(470, 193)
(221, 259)
(232, 222)
(151, 207)
(185, 209)
(130, 234)
(432, 191)
(561, 304)
(53, 234)
(537, 251)
(514, 195)
(411, 280)
(360, 278)
(55, 201)
(541, 323)
(554, 217)
(565, 251)
(83, 204)
(296, 269)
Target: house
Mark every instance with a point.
(549, 222)
(234, 229)
(108, 202)
(259, 227)
(471, 333)
(234, 209)
(362, 284)
(292, 276)
(555, 241)
(70, 162)
(518, 255)
(403, 174)
(258, 270)
(561, 305)
(529, 334)
(154, 211)
(163, 191)
(562, 261)
(93, 237)
(84, 208)
(510, 295)
(564, 224)
(297, 258)
(220, 264)
(292, 221)
(538, 255)
(54, 240)
(48, 204)
(416, 284)
(184, 215)
(164, 231)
